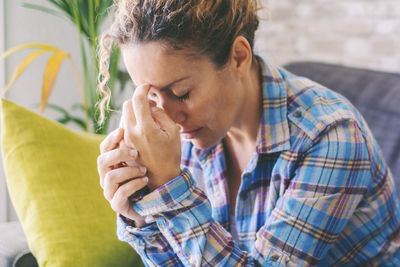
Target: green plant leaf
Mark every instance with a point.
(79, 122)
(67, 117)
(124, 79)
(87, 16)
(63, 120)
(59, 109)
(77, 106)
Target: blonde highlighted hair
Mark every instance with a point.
(208, 27)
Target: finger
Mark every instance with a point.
(120, 199)
(112, 140)
(123, 144)
(132, 163)
(121, 122)
(161, 117)
(111, 158)
(117, 177)
(141, 106)
(104, 171)
(129, 120)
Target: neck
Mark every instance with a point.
(245, 129)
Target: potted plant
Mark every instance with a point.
(87, 16)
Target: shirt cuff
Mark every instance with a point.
(168, 196)
(127, 232)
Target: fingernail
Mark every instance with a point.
(133, 152)
(145, 179)
(143, 169)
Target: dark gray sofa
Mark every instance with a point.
(375, 94)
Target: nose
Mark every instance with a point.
(171, 107)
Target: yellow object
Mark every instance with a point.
(21, 67)
(50, 73)
(52, 179)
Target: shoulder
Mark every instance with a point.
(314, 108)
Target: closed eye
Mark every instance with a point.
(183, 97)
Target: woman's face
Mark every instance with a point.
(202, 100)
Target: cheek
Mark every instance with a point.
(206, 105)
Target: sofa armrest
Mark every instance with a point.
(14, 250)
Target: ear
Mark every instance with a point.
(241, 55)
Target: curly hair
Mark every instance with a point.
(208, 27)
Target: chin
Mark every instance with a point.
(202, 143)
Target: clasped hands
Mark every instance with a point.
(145, 150)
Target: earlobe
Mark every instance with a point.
(241, 55)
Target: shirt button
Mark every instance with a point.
(297, 114)
(274, 257)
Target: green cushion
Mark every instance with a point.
(53, 183)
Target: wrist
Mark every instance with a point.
(164, 179)
(140, 222)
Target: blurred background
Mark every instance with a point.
(358, 33)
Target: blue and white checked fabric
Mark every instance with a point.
(316, 192)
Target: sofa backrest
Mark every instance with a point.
(375, 94)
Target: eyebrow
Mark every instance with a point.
(164, 88)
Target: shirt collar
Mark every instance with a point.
(273, 135)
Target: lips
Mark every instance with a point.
(189, 134)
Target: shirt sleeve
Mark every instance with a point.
(182, 213)
(329, 181)
(327, 185)
(148, 242)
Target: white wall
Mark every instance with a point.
(358, 33)
(22, 25)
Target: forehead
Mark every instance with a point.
(156, 64)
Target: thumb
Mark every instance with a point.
(162, 119)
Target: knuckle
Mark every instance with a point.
(126, 104)
(128, 138)
(132, 155)
(124, 191)
(114, 203)
(105, 144)
(100, 160)
(108, 178)
(106, 195)
(117, 153)
(100, 172)
(137, 100)
(146, 133)
(102, 147)
(138, 170)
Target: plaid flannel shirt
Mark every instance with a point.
(316, 192)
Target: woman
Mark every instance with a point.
(242, 162)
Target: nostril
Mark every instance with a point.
(180, 117)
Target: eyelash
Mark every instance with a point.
(183, 97)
